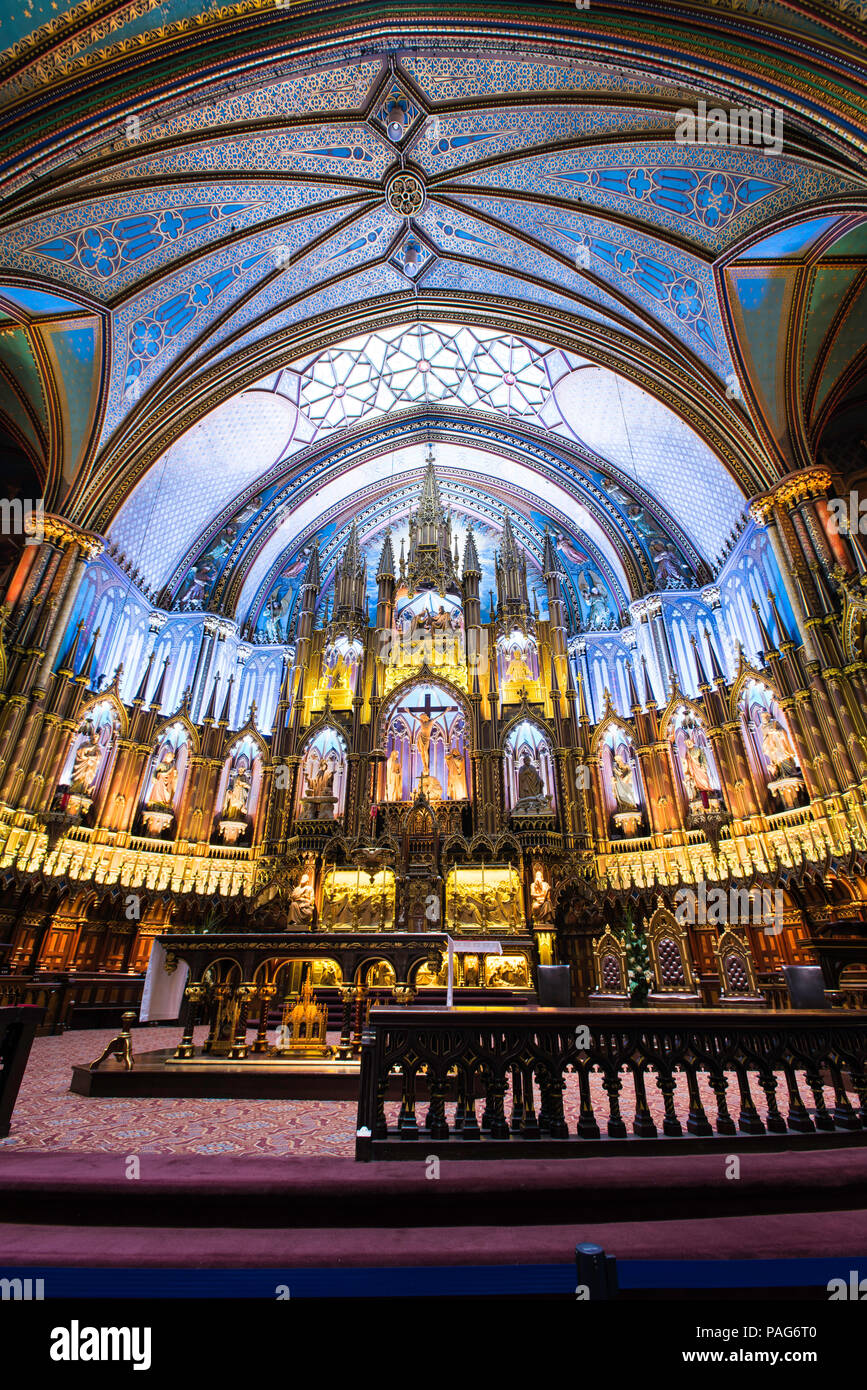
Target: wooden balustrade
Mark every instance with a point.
(18, 1026)
(74, 999)
(784, 1069)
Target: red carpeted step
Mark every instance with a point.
(811, 1235)
(93, 1188)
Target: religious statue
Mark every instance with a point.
(456, 787)
(517, 669)
(422, 740)
(541, 909)
(238, 793)
(665, 563)
(623, 784)
(777, 747)
(529, 781)
(394, 777)
(302, 904)
(695, 767)
(87, 761)
(533, 800)
(165, 781)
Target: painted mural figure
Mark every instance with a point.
(623, 784)
(87, 761)
(457, 774)
(165, 781)
(394, 777)
(777, 747)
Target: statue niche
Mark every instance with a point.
(323, 778)
(239, 792)
(87, 759)
(694, 761)
(166, 779)
(529, 773)
(426, 748)
(773, 745)
(620, 782)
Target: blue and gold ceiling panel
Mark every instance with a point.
(449, 77)
(675, 287)
(350, 152)
(710, 196)
(467, 140)
(105, 247)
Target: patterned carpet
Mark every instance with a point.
(48, 1116)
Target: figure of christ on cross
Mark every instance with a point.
(424, 713)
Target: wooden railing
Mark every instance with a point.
(781, 1066)
(18, 1027)
(74, 999)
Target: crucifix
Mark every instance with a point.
(424, 713)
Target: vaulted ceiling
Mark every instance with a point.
(255, 258)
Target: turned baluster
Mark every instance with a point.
(516, 1121)
(643, 1125)
(587, 1126)
(266, 994)
(193, 994)
(406, 1120)
(719, 1085)
(436, 1123)
(697, 1121)
(750, 1121)
(768, 1082)
(814, 1081)
(612, 1086)
(799, 1117)
(666, 1084)
(529, 1124)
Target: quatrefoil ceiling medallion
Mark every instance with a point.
(405, 194)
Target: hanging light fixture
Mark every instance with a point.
(410, 260)
(396, 120)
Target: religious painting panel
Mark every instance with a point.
(506, 972)
(427, 748)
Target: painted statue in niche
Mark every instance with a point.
(87, 762)
(88, 756)
(394, 777)
(695, 761)
(164, 782)
(427, 733)
(541, 906)
(323, 777)
(238, 790)
(620, 780)
(457, 775)
(774, 745)
(777, 746)
(529, 772)
(169, 764)
(302, 901)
